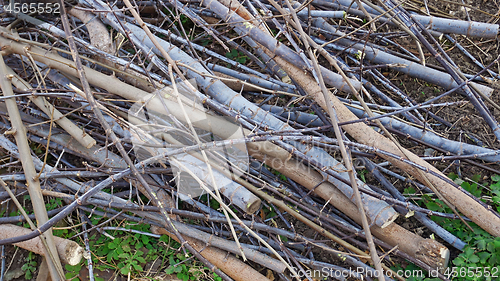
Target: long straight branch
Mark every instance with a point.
(33, 183)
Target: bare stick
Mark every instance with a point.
(33, 184)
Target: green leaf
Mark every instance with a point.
(169, 270)
(124, 256)
(283, 238)
(495, 178)
(495, 188)
(111, 256)
(483, 256)
(468, 252)
(180, 256)
(74, 268)
(217, 277)
(124, 270)
(481, 244)
(232, 54)
(474, 259)
(165, 239)
(494, 259)
(362, 173)
(496, 242)
(409, 190)
(465, 185)
(476, 178)
(184, 277)
(433, 206)
(472, 188)
(459, 261)
(126, 248)
(137, 267)
(102, 251)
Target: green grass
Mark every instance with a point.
(236, 56)
(124, 254)
(480, 259)
(129, 253)
(30, 266)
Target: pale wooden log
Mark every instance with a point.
(69, 251)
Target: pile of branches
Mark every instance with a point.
(258, 104)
